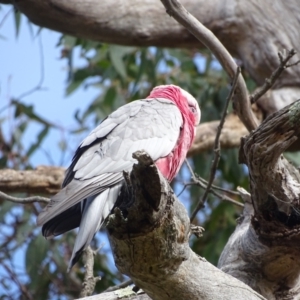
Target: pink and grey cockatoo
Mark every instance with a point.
(163, 125)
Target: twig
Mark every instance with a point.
(226, 198)
(26, 200)
(241, 101)
(184, 187)
(119, 286)
(217, 147)
(198, 182)
(202, 180)
(244, 195)
(269, 82)
(15, 278)
(89, 282)
(218, 187)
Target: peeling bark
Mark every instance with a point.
(264, 250)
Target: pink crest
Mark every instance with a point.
(170, 165)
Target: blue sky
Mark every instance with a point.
(21, 70)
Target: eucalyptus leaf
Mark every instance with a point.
(116, 55)
(35, 254)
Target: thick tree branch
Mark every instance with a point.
(230, 137)
(126, 294)
(149, 236)
(42, 180)
(266, 240)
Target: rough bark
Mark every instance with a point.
(149, 235)
(42, 180)
(231, 135)
(264, 250)
(116, 295)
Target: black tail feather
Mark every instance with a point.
(63, 222)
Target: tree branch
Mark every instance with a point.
(26, 200)
(125, 293)
(241, 102)
(149, 236)
(145, 24)
(196, 180)
(266, 240)
(42, 180)
(122, 285)
(230, 137)
(269, 82)
(89, 282)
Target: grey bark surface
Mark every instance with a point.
(264, 250)
(42, 180)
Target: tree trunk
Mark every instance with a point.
(264, 250)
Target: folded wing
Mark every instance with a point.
(96, 172)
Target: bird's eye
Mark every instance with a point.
(193, 109)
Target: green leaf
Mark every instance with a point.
(35, 254)
(110, 96)
(69, 41)
(5, 207)
(28, 110)
(116, 55)
(23, 232)
(37, 144)
(73, 86)
(79, 76)
(3, 162)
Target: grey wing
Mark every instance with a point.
(150, 125)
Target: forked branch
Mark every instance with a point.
(149, 235)
(241, 101)
(267, 238)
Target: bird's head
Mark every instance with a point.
(187, 104)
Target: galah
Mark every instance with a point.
(163, 125)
